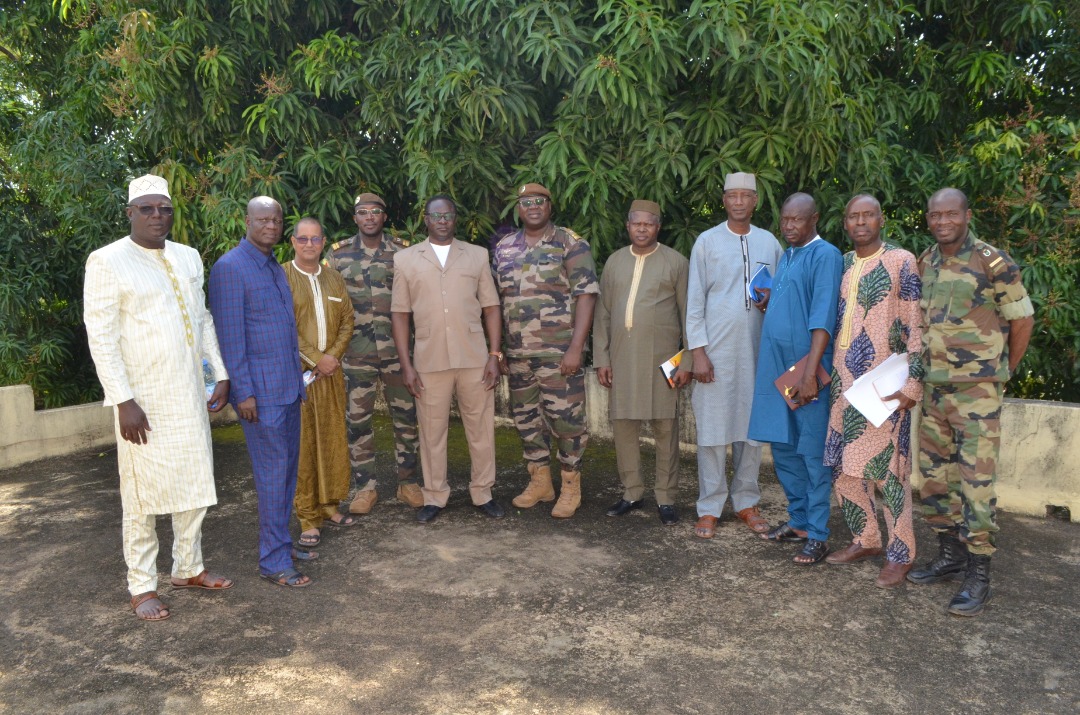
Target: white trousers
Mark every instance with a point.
(141, 548)
(712, 478)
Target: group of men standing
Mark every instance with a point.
(299, 350)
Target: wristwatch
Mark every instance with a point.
(497, 355)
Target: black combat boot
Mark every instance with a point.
(975, 592)
(951, 561)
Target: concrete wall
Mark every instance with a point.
(27, 435)
(1039, 465)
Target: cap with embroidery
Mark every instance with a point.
(740, 180)
(147, 185)
(369, 198)
(534, 190)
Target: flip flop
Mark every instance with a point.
(309, 541)
(290, 578)
(207, 580)
(346, 521)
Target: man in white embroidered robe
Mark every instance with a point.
(149, 330)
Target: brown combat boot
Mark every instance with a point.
(569, 495)
(539, 488)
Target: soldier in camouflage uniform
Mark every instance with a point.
(977, 320)
(366, 261)
(547, 281)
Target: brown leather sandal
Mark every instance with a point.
(753, 518)
(142, 598)
(705, 528)
(207, 580)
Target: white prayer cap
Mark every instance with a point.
(148, 184)
(740, 180)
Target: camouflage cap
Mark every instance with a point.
(647, 206)
(369, 198)
(534, 190)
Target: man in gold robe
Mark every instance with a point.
(324, 323)
(640, 324)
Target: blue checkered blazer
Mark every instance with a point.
(253, 313)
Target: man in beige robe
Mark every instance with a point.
(640, 323)
(149, 331)
(324, 325)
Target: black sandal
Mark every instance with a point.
(784, 533)
(813, 550)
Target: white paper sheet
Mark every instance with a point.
(885, 379)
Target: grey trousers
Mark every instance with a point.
(712, 478)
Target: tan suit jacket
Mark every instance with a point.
(445, 303)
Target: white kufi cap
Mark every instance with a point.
(148, 184)
(740, 180)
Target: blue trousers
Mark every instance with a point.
(807, 482)
(274, 447)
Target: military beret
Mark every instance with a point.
(369, 198)
(534, 190)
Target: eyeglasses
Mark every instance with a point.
(369, 212)
(305, 240)
(527, 203)
(436, 216)
(149, 210)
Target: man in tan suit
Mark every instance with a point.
(447, 288)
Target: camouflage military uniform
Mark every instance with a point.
(371, 356)
(967, 301)
(538, 287)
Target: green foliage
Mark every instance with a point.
(602, 101)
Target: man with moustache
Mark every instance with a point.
(324, 320)
(547, 281)
(366, 262)
(640, 323)
(444, 287)
(878, 316)
(149, 331)
(977, 321)
(723, 327)
(253, 309)
(799, 321)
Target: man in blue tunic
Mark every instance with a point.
(800, 316)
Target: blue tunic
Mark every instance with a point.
(804, 298)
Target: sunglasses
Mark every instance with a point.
(369, 212)
(149, 210)
(437, 216)
(527, 203)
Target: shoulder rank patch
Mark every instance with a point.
(569, 232)
(342, 243)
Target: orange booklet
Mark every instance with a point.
(789, 379)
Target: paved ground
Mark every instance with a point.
(524, 615)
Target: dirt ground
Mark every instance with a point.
(525, 615)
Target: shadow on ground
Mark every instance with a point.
(524, 615)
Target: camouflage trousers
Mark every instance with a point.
(959, 439)
(362, 381)
(545, 403)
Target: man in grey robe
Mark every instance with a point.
(639, 325)
(723, 326)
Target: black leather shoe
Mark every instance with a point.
(428, 513)
(667, 514)
(622, 506)
(492, 509)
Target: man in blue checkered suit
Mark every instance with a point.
(253, 311)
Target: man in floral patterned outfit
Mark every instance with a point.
(878, 316)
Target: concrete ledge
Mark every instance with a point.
(28, 434)
(1039, 465)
